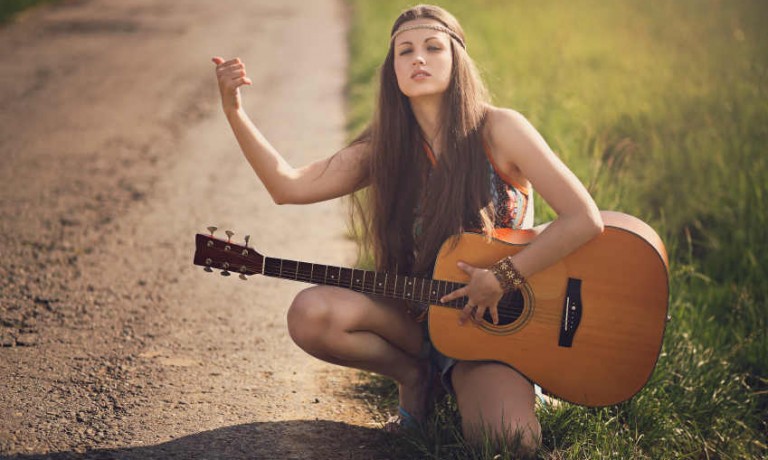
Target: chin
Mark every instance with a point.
(422, 92)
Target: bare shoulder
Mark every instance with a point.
(507, 127)
(513, 138)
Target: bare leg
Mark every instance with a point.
(495, 398)
(350, 329)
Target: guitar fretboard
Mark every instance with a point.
(425, 290)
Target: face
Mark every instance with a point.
(423, 60)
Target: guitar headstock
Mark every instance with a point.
(224, 255)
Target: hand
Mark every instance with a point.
(483, 293)
(231, 76)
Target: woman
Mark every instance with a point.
(434, 140)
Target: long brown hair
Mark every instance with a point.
(455, 195)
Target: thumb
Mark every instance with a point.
(468, 269)
(217, 60)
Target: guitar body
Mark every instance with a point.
(588, 329)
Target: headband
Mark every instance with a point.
(436, 27)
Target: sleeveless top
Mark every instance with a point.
(513, 202)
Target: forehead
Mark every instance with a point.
(420, 35)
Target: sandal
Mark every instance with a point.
(544, 399)
(403, 421)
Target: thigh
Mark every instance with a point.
(495, 396)
(342, 310)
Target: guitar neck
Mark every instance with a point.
(425, 290)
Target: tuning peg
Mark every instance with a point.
(212, 229)
(229, 234)
(225, 273)
(208, 269)
(247, 239)
(243, 277)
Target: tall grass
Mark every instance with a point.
(661, 108)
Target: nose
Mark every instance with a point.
(418, 60)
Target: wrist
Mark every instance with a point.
(509, 277)
(233, 112)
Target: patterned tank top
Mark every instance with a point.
(513, 202)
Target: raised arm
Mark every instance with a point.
(332, 177)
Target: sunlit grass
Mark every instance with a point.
(661, 108)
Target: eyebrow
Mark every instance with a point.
(408, 42)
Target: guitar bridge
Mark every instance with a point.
(571, 312)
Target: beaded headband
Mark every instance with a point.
(436, 27)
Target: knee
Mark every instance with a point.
(308, 317)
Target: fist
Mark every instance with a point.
(231, 76)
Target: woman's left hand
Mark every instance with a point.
(483, 293)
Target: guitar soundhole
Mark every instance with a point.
(515, 310)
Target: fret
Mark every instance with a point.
(338, 276)
(433, 299)
(317, 278)
(281, 268)
(301, 271)
(368, 285)
(318, 273)
(378, 285)
(420, 296)
(395, 291)
(407, 284)
(287, 267)
(356, 281)
(269, 268)
(325, 275)
(312, 273)
(345, 277)
(386, 280)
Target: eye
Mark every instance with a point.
(404, 52)
(434, 48)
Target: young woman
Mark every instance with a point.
(437, 159)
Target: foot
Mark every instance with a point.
(400, 422)
(415, 391)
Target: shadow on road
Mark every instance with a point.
(296, 439)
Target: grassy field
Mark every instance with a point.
(661, 108)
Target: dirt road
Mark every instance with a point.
(114, 153)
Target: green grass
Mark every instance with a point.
(10, 8)
(661, 108)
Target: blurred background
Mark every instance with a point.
(661, 109)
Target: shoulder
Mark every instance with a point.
(507, 134)
(512, 138)
(504, 126)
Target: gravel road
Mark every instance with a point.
(114, 154)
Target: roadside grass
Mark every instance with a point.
(661, 109)
(9, 8)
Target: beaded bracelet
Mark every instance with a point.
(509, 278)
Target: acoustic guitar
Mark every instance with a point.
(587, 329)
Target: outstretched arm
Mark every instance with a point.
(335, 176)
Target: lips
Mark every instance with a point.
(420, 74)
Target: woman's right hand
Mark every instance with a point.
(231, 76)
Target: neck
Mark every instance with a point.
(427, 112)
